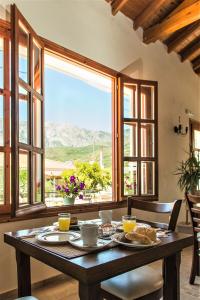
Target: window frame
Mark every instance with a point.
(19, 147)
(122, 80)
(5, 93)
(116, 125)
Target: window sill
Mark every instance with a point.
(73, 209)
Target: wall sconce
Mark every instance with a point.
(180, 129)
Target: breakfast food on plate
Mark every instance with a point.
(137, 237)
(149, 232)
(73, 221)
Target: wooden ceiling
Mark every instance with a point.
(174, 22)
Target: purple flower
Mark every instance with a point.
(76, 190)
(81, 196)
(66, 190)
(58, 188)
(82, 185)
(72, 179)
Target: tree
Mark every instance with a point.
(95, 178)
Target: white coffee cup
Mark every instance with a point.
(106, 216)
(89, 234)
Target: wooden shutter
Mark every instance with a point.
(27, 111)
(138, 136)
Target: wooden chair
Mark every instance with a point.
(195, 218)
(143, 283)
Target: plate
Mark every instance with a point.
(79, 244)
(120, 226)
(57, 237)
(116, 238)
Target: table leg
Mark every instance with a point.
(89, 292)
(171, 274)
(23, 274)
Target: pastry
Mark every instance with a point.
(73, 221)
(149, 232)
(137, 237)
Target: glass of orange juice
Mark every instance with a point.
(129, 223)
(63, 221)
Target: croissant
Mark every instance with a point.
(137, 237)
(149, 232)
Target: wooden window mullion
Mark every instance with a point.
(7, 119)
(139, 141)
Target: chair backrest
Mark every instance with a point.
(172, 208)
(195, 215)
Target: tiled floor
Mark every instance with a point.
(67, 290)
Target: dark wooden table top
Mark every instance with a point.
(96, 267)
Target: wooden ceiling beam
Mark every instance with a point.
(186, 13)
(190, 51)
(117, 5)
(196, 63)
(197, 71)
(148, 13)
(192, 29)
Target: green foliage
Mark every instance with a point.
(23, 177)
(92, 175)
(189, 174)
(82, 154)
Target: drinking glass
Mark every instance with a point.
(106, 216)
(129, 223)
(64, 221)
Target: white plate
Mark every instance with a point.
(57, 237)
(79, 244)
(116, 238)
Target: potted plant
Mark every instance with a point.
(70, 189)
(189, 178)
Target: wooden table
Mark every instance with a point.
(91, 269)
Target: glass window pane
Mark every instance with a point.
(36, 67)
(147, 178)
(147, 140)
(78, 129)
(23, 116)
(23, 52)
(130, 140)
(37, 122)
(37, 177)
(196, 139)
(23, 177)
(1, 63)
(2, 164)
(1, 121)
(147, 102)
(130, 101)
(130, 178)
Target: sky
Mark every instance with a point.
(73, 101)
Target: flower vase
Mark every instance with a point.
(69, 200)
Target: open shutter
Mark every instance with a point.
(138, 134)
(27, 111)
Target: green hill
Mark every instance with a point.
(87, 153)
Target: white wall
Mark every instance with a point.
(87, 27)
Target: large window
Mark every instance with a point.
(65, 115)
(195, 140)
(78, 130)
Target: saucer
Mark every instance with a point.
(99, 245)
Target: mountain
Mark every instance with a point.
(67, 135)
